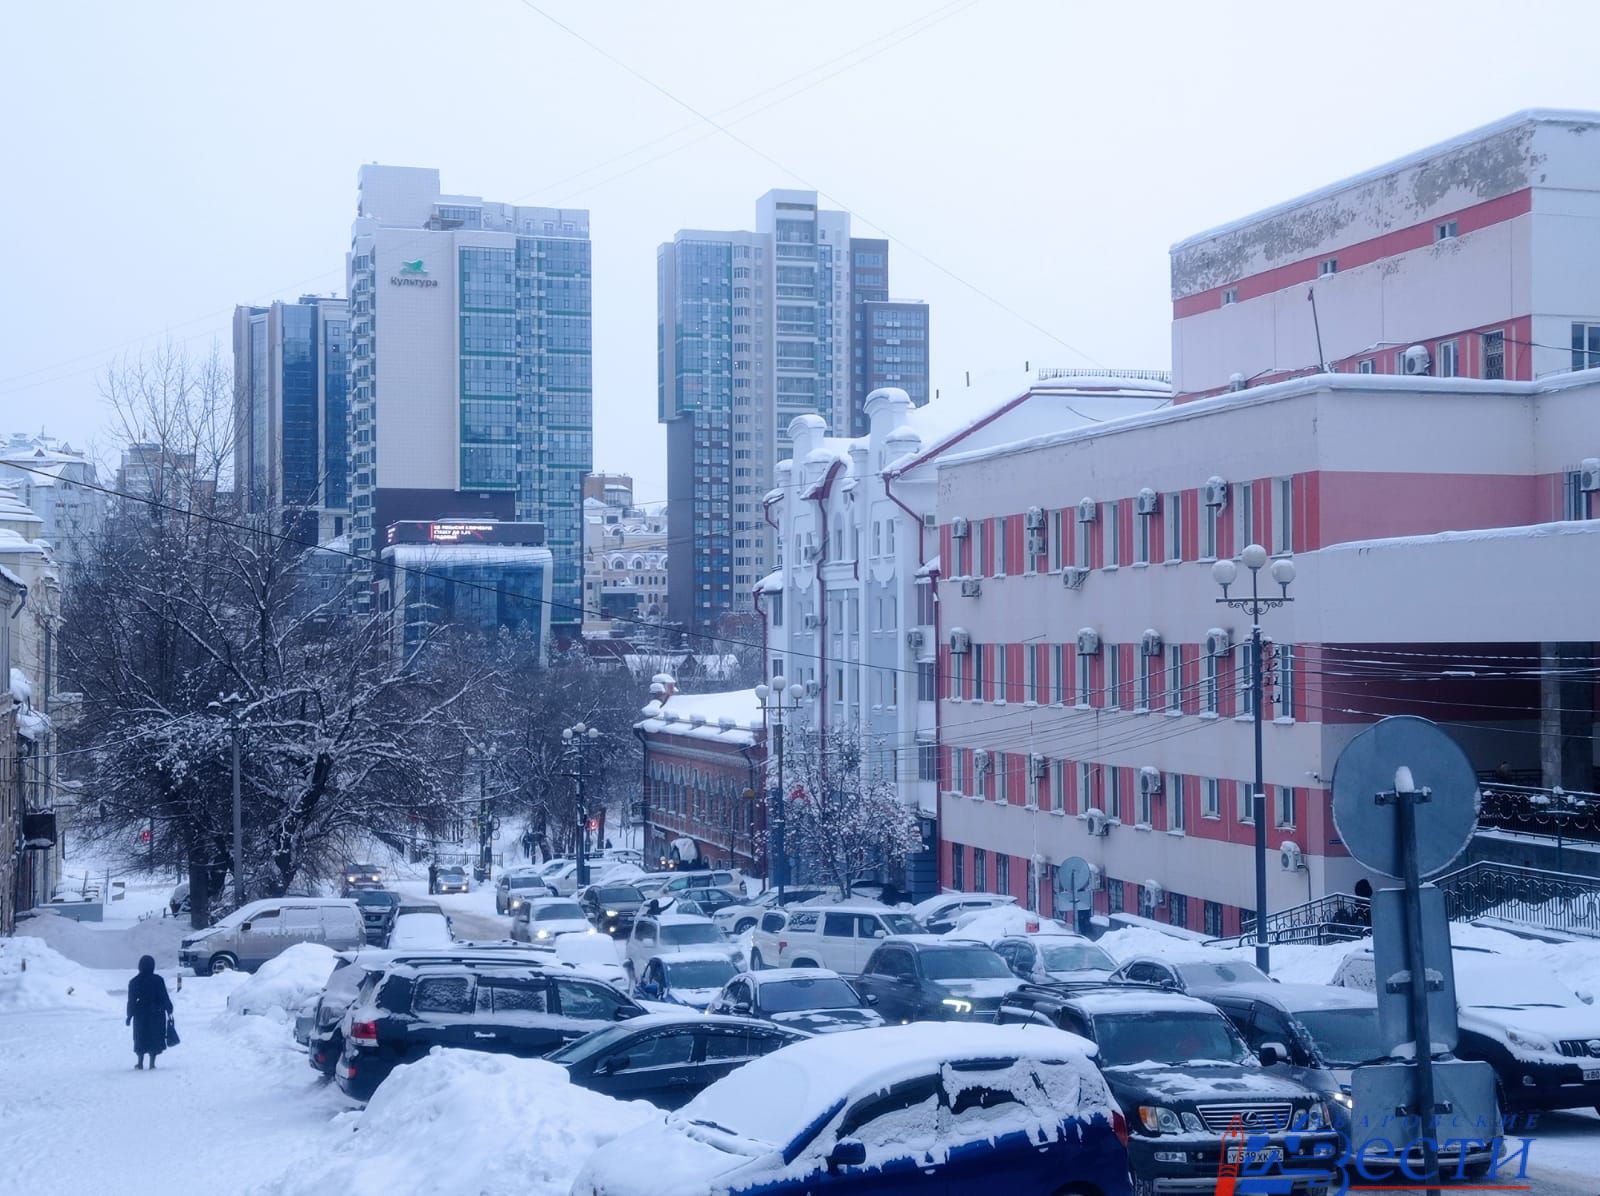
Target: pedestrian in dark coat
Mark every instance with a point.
(148, 1007)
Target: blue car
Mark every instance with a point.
(931, 1107)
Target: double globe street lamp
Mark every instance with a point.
(775, 699)
(1225, 573)
(575, 739)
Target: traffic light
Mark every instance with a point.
(594, 824)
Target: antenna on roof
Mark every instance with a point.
(969, 378)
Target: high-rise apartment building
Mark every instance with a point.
(471, 392)
(754, 330)
(888, 337)
(291, 417)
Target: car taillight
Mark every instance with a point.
(364, 1032)
(1119, 1126)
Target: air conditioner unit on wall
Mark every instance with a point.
(1095, 821)
(1088, 511)
(1218, 642)
(1590, 471)
(960, 642)
(915, 638)
(1149, 780)
(980, 760)
(1150, 642)
(1034, 519)
(1416, 360)
(1036, 544)
(1088, 641)
(1290, 857)
(1147, 501)
(812, 622)
(1216, 492)
(1073, 576)
(1038, 766)
(959, 527)
(971, 587)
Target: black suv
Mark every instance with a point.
(1195, 1098)
(923, 978)
(518, 1009)
(378, 907)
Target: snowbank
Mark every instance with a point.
(34, 977)
(992, 925)
(284, 983)
(469, 1122)
(109, 946)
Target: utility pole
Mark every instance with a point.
(773, 699)
(1254, 558)
(228, 706)
(576, 738)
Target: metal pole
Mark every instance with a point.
(1259, 800)
(583, 816)
(1422, 1033)
(780, 861)
(238, 823)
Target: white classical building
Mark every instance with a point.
(849, 612)
(44, 470)
(624, 565)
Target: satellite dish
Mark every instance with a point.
(1074, 882)
(1367, 767)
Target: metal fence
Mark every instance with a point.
(1558, 901)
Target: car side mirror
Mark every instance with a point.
(847, 1152)
(624, 1012)
(741, 1008)
(650, 988)
(1272, 1053)
(612, 1065)
(872, 998)
(1585, 996)
(244, 926)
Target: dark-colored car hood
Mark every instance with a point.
(1169, 1084)
(827, 1021)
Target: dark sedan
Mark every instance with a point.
(918, 978)
(611, 908)
(810, 1000)
(667, 1058)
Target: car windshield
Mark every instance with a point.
(551, 867)
(680, 934)
(900, 923)
(452, 872)
(1203, 974)
(698, 973)
(1344, 1037)
(1129, 1038)
(589, 1045)
(525, 882)
(1076, 957)
(377, 897)
(619, 894)
(1498, 985)
(819, 992)
(557, 910)
(964, 963)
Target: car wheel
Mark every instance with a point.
(743, 924)
(755, 960)
(223, 963)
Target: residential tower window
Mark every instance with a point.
(1210, 686)
(1494, 354)
(1449, 364)
(1210, 798)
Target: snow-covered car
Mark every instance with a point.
(689, 978)
(810, 1000)
(664, 934)
(939, 914)
(839, 937)
(262, 930)
(736, 919)
(1019, 1110)
(592, 955)
(539, 921)
(515, 886)
(417, 931)
(667, 1058)
(178, 901)
(671, 883)
(1189, 975)
(924, 978)
(1060, 955)
(304, 1019)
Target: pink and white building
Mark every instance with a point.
(1478, 256)
(1446, 534)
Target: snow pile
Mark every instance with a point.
(992, 925)
(33, 977)
(113, 946)
(469, 1121)
(284, 983)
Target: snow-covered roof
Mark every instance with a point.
(732, 716)
(772, 583)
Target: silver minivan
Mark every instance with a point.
(257, 932)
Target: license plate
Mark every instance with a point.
(1264, 1154)
(1591, 1073)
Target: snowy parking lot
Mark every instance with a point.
(235, 1108)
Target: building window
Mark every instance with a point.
(1001, 525)
(777, 609)
(1494, 354)
(1367, 366)
(1283, 515)
(1209, 686)
(1058, 667)
(1178, 910)
(1210, 531)
(1084, 673)
(1002, 874)
(1030, 675)
(1058, 785)
(980, 870)
(1001, 769)
(1177, 815)
(1283, 680)
(981, 535)
(927, 761)
(1000, 662)
(1449, 360)
(1058, 540)
(1230, 295)
(1244, 516)
(1585, 346)
(1141, 537)
(958, 867)
(1114, 896)
(1327, 266)
(1284, 810)
(1085, 785)
(1149, 678)
(1113, 534)
(1145, 808)
(1172, 526)
(977, 672)
(958, 688)
(1174, 679)
(1245, 681)
(1112, 699)
(1211, 919)
(1244, 805)
(1444, 230)
(927, 681)
(1085, 543)
(1114, 792)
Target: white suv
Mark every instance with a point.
(827, 936)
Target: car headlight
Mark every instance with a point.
(1529, 1042)
(516, 903)
(957, 1005)
(1344, 1100)
(1318, 1117)
(542, 934)
(1157, 1119)
(1192, 1124)
(611, 913)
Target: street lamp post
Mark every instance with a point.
(1254, 558)
(777, 698)
(486, 820)
(229, 707)
(576, 738)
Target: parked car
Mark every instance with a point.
(707, 900)
(304, 1019)
(839, 937)
(611, 908)
(925, 978)
(512, 888)
(450, 878)
(667, 1058)
(361, 874)
(810, 1000)
(378, 907)
(562, 879)
(419, 930)
(1184, 1078)
(518, 1009)
(1541, 1038)
(1358, 969)
(736, 919)
(178, 902)
(262, 930)
(540, 920)
(937, 915)
(676, 882)
(1044, 957)
(897, 1109)
(689, 978)
(1186, 974)
(664, 934)
(592, 955)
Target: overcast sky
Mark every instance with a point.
(1031, 161)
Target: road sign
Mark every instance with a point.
(1366, 768)
(1383, 1108)
(1074, 883)
(1391, 970)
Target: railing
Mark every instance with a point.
(1560, 813)
(1336, 918)
(1559, 901)
(1047, 372)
